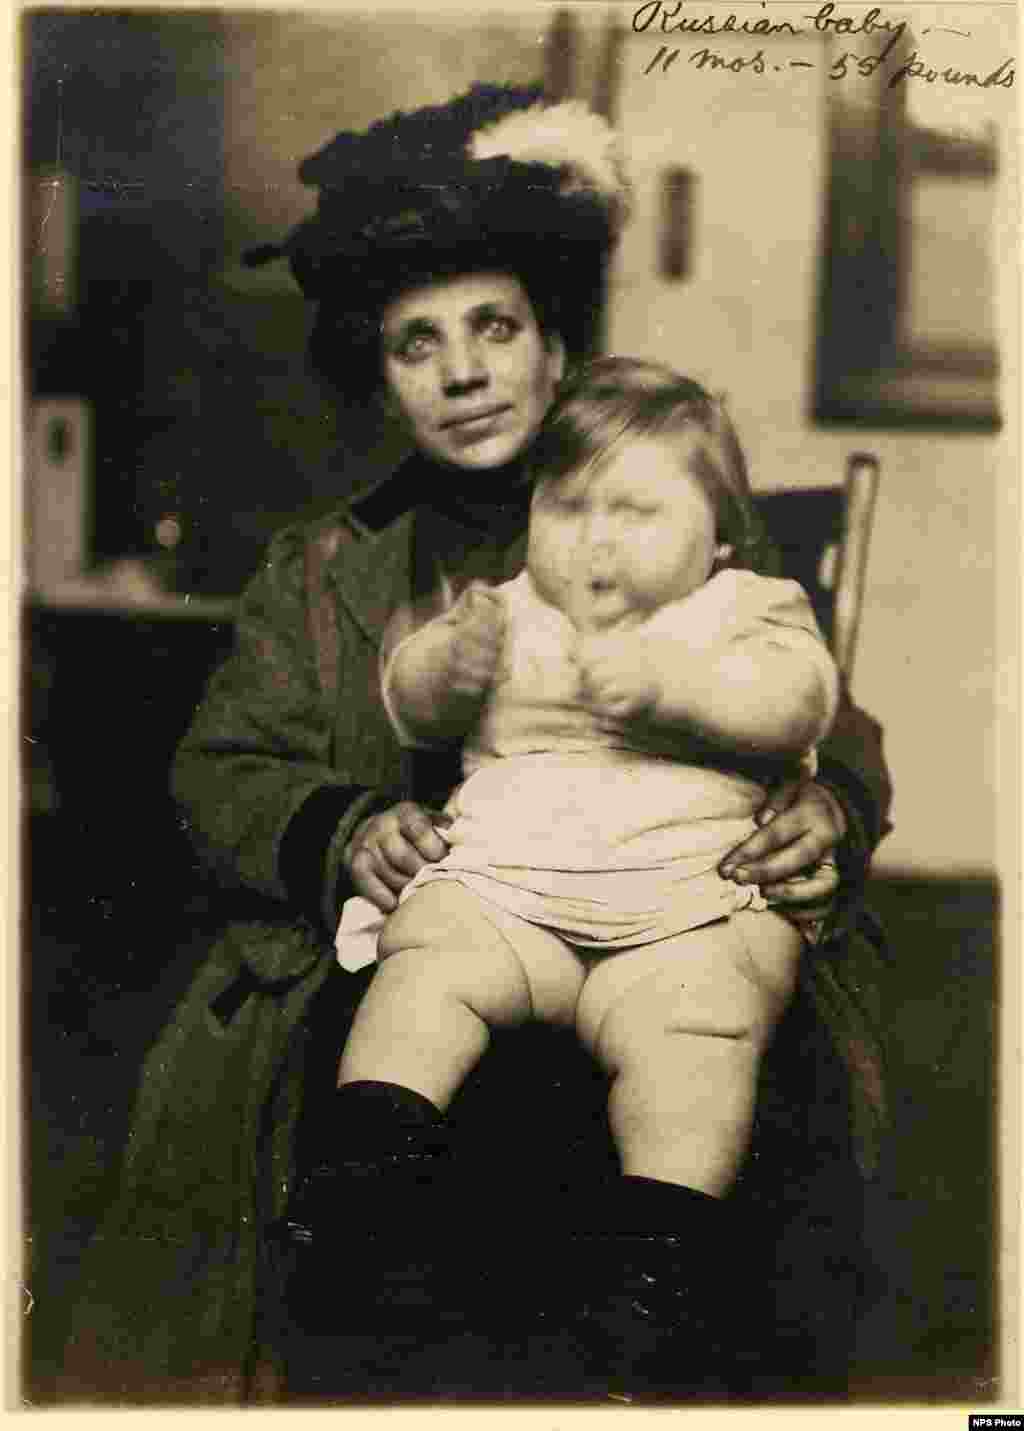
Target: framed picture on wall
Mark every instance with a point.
(906, 306)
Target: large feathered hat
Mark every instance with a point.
(498, 178)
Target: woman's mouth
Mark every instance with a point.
(473, 425)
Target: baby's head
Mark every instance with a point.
(641, 492)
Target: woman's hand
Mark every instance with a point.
(388, 848)
(790, 855)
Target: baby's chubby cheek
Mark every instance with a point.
(548, 564)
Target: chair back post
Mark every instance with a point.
(860, 491)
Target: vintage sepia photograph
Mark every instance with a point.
(518, 715)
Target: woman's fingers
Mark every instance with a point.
(768, 866)
(808, 900)
(792, 842)
(389, 848)
(366, 881)
(753, 858)
(781, 798)
(817, 888)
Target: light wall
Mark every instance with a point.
(937, 661)
(294, 80)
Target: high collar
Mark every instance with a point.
(488, 503)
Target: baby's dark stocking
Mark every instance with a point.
(368, 1229)
(664, 1294)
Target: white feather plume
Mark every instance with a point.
(567, 136)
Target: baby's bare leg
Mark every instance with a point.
(447, 975)
(681, 1026)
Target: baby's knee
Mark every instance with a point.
(681, 1021)
(675, 1069)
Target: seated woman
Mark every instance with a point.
(457, 259)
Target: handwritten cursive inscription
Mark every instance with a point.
(915, 68)
(702, 58)
(828, 20)
(669, 23)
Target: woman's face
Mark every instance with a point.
(468, 369)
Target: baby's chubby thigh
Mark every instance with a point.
(447, 940)
(728, 980)
(680, 1025)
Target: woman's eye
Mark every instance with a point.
(414, 348)
(501, 330)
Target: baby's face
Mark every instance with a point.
(622, 539)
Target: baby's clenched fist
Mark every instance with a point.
(477, 639)
(617, 678)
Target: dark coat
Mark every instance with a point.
(171, 1282)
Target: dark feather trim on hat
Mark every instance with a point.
(409, 144)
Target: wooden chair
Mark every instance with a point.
(822, 535)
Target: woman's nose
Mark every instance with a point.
(463, 366)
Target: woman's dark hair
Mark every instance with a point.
(614, 400)
(496, 180)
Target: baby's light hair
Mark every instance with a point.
(612, 400)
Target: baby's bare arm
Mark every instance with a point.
(753, 695)
(751, 685)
